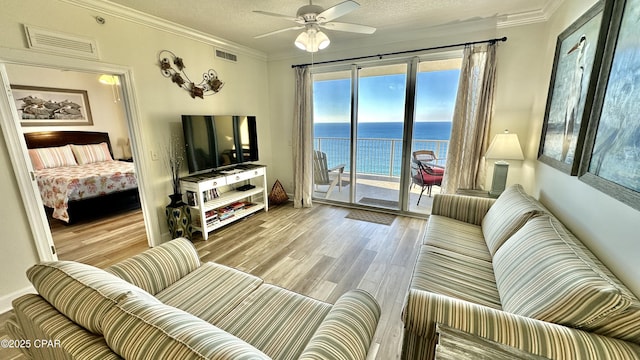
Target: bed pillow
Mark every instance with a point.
(52, 157)
(87, 154)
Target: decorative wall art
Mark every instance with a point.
(173, 67)
(612, 164)
(43, 106)
(576, 64)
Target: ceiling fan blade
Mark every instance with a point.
(340, 26)
(336, 11)
(278, 31)
(276, 15)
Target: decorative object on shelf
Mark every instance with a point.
(173, 161)
(173, 67)
(44, 106)
(277, 195)
(576, 65)
(611, 160)
(178, 217)
(178, 213)
(503, 147)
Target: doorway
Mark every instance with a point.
(16, 144)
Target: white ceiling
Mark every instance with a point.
(395, 20)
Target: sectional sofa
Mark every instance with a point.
(166, 304)
(509, 272)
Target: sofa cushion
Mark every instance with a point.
(623, 325)
(81, 292)
(210, 292)
(277, 321)
(540, 275)
(510, 211)
(455, 235)
(155, 269)
(457, 275)
(139, 329)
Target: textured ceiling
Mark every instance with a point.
(235, 21)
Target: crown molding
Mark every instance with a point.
(530, 17)
(144, 19)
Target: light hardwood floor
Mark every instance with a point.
(315, 251)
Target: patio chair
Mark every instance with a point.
(322, 175)
(427, 156)
(425, 176)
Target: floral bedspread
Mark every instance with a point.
(59, 185)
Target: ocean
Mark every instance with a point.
(425, 130)
(379, 146)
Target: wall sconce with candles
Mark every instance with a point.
(503, 147)
(173, 67)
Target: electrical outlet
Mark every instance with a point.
(154, 155)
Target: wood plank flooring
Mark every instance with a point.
(100, 242)
(315, 251)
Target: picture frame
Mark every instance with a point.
(45, 106)
(576, 64)
(612, 149)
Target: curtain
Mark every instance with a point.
(465, 167)
(302, 140)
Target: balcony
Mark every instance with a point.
(378, 170)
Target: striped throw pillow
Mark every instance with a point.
(52, 157)
(87, 154)
(137, 329)
(510, 211)
(539, 275)
(81, 292)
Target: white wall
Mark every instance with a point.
(160, 104)
(607, 226)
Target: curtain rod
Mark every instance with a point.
(405, 52)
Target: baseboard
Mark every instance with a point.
(5, 301)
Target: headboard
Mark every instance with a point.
(42, 139)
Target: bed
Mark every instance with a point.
(77, 174)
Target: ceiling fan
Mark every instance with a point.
(313, 17)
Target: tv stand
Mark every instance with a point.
(215, 201)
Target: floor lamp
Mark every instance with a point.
(503, 147)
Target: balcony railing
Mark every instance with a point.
(376, 156)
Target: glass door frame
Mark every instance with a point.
(408, 126)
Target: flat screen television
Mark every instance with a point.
(219, 141)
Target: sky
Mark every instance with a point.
(382, 98)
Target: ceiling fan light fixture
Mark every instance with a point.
(312, 40)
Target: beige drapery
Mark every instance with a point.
(465, 167)
(302, 140)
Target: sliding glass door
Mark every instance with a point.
(379, 135)
(368, 121)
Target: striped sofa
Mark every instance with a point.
(165, 304)
(507, 270)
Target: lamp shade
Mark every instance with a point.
(505, 147)
(312, 40)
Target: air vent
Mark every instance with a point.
(226, 56)
(60, 43)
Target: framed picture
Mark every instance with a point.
(612, 148)
(576, 64)
(43, 106)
